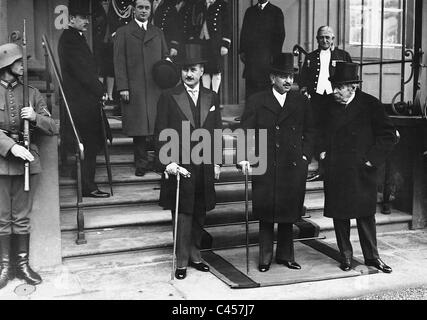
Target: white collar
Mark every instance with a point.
(350, 99)
(263, 5)
(140, 24)
(196, 88)
(281, 98)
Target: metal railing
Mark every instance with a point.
(79, 150)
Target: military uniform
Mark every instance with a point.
(167, 19)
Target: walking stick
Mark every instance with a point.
(175, 230)
(106, 131)
(247, 218)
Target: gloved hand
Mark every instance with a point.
(245, 167)
(175, 169)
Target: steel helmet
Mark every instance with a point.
(9, 53)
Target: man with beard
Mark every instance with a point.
(357, 136)
(278, 194)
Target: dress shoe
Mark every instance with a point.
(140, 172)
(346, 265)
(264, 267)
(180, 273)
(97, 194)
(385, 209)
(289, 264)
(379, 264)
(315, 177)
(199, 266)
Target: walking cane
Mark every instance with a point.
(175, 229)
(247, 218)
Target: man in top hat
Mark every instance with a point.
(188, 105)
(318, 66)
(83, 91)
(15, 203)
(278, 194)
(261, 38)
(357, 136)
(137, 47)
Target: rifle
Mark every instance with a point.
(25, 100)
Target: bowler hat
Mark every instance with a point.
(283, 63)
(165, 74)
(9, 53)
(192, 54)
(78, 7)
(345, 72)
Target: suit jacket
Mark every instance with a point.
(217, 21)
(82, 88)
(309, 74)
(278, 195)
(11, 102)
(261, 38)
(167, 19)
(352, 135)
(135, 53)
(174, 109)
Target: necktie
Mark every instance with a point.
(260, 6)
(193, 95)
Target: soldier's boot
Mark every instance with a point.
(5, 268)
(23, 270)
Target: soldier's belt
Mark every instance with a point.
(17, 137)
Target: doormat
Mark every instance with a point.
(319, 261)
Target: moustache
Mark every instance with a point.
(189, 79)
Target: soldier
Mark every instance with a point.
(167, 19)
(213, 30)
(318, 66)
(15, 203)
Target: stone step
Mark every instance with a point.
(151, 213)
(158, 237)
(133, 193)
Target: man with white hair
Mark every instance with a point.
(318, 66)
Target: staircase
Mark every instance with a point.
(132, 224)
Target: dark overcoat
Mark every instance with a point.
(135, 53)
(278, 195)
(309, 75)
(261, 38)
(352, 135)
(82, 88)
(174, 108)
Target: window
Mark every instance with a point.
(393, 12)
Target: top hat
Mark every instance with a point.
(79, 7)
(345, 72)
(165, 74)
(9, 53)
(283, 63)
(192, 54)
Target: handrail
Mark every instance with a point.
(67, 108)
(79, 145)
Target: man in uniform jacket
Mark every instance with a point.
(213, 30)
(186, 10)
(137, 47)
(83, 92)
(195, 107)
(318, 66)
(167, 19)
(15, 203)
(278, 194)
(261, 38)
(357, 136)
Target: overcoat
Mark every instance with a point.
(278, 195)
(261, 38)
(309, 75)
(82, 88)
(135, 53)
(352, 135)
(174, 108)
